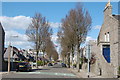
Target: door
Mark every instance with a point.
(106, 53)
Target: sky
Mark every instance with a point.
(16, 16)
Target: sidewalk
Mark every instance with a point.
(3, 73)
(6, 72)
(83, 74)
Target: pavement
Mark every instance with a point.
(83, 73)
(6, 72)
(3, 72)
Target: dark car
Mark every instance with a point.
(50, 64)
(63, 65)
(55, 63)
(23, 66)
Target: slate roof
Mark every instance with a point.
(116, 17)
(16, 55)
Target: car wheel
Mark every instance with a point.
(28, 70)
(16, 70)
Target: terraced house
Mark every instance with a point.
(108, 43)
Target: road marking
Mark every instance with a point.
(47, 73)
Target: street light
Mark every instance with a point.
(11, 52)
(88, 56)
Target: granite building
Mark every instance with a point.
(109, 43)
(2, 37)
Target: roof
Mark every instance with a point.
(1, 28)
(116, 17)
(16, 55)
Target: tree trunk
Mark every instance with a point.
(50, 58)
(68, 60)
(43, 58)
(37, 59)
(65, 59)
(37, 47)
(72, 57)
(78, 58)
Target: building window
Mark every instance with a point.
(108, 38)
(105, 37)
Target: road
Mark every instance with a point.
(55, 71)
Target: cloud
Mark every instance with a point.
(89, 38)
(21, 22)
(16, 39)
(54, 37)
(55, 25)
(15, 26)
(97, 27)
(17, 22)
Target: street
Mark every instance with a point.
(55, 71)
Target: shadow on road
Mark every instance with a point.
(39, 69)
(57, 67)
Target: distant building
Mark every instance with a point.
(2, 38)
(15, 54)
(89, 49)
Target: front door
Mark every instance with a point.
(106, 52)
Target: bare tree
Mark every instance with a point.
(75, 27)
(37, 32)
(49, 49)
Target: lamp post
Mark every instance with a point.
(9, 55)
(9, 58)
(88, 54)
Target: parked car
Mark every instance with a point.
(55, 63)
(23, 66)
(63, 65)
(50, 64)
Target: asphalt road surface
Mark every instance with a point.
(55, 71)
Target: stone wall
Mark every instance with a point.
(114, 44)
(119, 35)
(111, 26)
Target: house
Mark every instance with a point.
(15, 55)
(108, 42)
(2, 38)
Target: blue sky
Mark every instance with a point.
(55, 11)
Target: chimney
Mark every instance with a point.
(108, 9)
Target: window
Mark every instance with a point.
(108, 39)
(105, 37)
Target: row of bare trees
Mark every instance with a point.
(39, 33)
(73, 32)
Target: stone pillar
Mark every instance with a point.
(2, 37)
